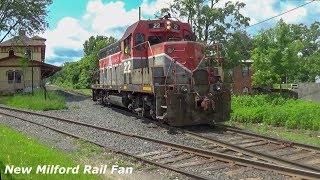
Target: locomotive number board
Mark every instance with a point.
(156, 25)
(176, 27)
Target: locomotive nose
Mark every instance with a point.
(187, 53)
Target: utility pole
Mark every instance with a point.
(29, 54)
(32, 72)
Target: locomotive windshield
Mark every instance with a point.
(155, 40)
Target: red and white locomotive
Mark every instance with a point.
(158, 70)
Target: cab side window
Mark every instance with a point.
(139, 38)
(127, 45)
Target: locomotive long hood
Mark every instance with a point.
(187, 53)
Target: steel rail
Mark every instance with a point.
(271, 139)
(262, 156)
(266, 157)
(200, 152)
(112, 149)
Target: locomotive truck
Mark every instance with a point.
(158, 70)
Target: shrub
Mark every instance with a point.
(277, 111)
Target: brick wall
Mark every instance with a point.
(241, 76)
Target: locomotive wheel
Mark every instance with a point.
(104, 100)
(101, 98)
(163, 120)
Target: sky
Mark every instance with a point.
(71, 22)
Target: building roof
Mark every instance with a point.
(46, 69)
(38, 38)
(23, 40)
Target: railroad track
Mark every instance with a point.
(176, 157)
(263, 148)
(257, 147)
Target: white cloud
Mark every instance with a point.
(314, 7)
(107, 16)
(99, 19)
(151, 8)
(256, 10)
(294, 16)
(68, 34)
(110, 18)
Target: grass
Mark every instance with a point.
(302, 136)
(87, 149)
(276, 111)
(81, 91)
(21, 151)
(84, 91)
(36, 102)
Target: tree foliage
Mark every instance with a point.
(287, 52)
(78, 74)
(92, 43)
(210, 23)
(238, 48)
(29, 15)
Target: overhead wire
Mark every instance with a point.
(290, 10)
(280, 14)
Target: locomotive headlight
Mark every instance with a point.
(218, 87)
(168, 27)
(170, 50)
(184, 89)
(168, 23)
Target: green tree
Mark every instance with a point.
(238, 48)
(92, 43)
(309, 65)
(276, 54)
(209, 23)
(29, 15)
(79, 74)
(309, 68)
(311, 38)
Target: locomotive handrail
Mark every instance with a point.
(165, 80)
(183, 63)
(147, 57)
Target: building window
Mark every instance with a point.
(18, 76)
(10, 75)
(11, 53)
(14, 76)
(245, 89)
(245, 71)
(28, 54)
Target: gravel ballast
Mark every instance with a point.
(84, 110)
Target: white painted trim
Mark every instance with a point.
(200, 62)
(158, 55)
